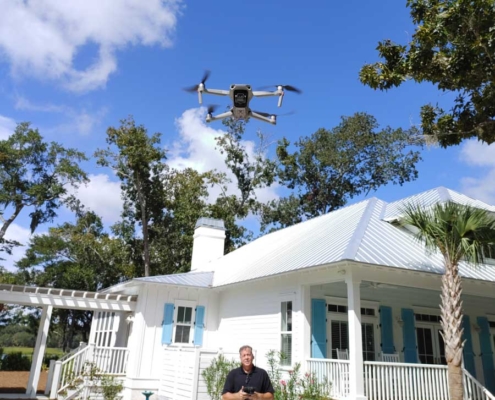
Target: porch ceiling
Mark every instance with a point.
(65, 298)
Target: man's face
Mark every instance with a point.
(246, 357)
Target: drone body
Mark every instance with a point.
(241, 95)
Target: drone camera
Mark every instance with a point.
(240, 98)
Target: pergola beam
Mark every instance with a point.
(67, 299)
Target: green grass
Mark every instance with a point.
(29, 351)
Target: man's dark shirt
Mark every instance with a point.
(257, 378)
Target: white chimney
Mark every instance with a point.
(209, 242)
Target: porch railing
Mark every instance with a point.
(473, 390)
(67, 374)
(396, 381)
(334, 371)
(405, 381)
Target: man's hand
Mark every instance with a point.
(243, 395)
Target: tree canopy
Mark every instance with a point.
(330, 167)
(452, 48)
(35, 174)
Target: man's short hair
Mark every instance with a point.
(246, 347)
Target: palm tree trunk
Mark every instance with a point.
(451, 312)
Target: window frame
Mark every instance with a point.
(106, 328)
(344, 317)
(284, 298)
(491, 330)
(188, 304)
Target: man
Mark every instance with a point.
(246, 376)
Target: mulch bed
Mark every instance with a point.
(16, 382)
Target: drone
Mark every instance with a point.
(241, 95)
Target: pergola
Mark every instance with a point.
(47, 299)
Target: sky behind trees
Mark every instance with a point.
(75, 68)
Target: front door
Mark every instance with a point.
(431, 348)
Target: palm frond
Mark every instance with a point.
(457, 231)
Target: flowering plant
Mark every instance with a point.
(294, 387)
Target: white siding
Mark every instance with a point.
(153, 298)
(250, 315)
(177, 376)
(205, 359)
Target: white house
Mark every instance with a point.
(350, 295)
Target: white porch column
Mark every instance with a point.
(39, 351)
(356, 366)
(304, 322)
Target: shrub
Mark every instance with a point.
(215, 375)
(16, 362)
(295, 387)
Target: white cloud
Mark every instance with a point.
(196, 149)
(479, 154)
(21, 235)
(80, 121)
(7, 126)
(43, 38)
(102, 196)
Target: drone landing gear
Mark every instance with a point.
(272, 119)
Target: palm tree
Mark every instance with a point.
(459, 233)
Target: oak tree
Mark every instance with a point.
(453, 48)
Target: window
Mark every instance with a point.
(489, 252)
(367, 331)
(340, 337)
(491, 324)
(184, 322)
(183, 325)
(105, 332)
(427, 318)
(286, 332)
(338, 327)
(336, 308)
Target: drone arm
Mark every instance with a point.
(266, 94)
(218, 92)
(210, 118)
(279, 93)
(271, 120)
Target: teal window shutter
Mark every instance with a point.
(318, 328)
(467, 351)
(199, 326)
(409, 335)
(486, 354)
(167, 323)
(387, 330)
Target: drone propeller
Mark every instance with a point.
(211, 108)
(289, 88)
(265, 114)
(194, 88)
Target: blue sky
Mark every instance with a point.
(74, 68)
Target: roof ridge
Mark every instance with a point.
(444, 193)
(357, 237)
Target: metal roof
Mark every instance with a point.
(430, 197)
(361, 232)
(195, 279)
